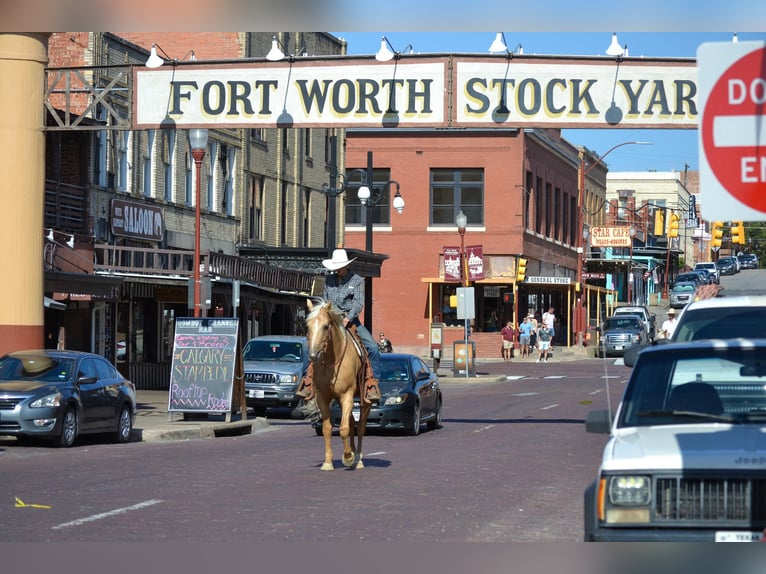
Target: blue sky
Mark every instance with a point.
(671, 150)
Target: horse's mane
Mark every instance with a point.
(327, 306)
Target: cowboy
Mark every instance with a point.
(345, 290)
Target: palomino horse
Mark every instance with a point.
(338, 372)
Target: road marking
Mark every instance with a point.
(375, 453)
(610, 376)
(555, 377)
(21, 504)
(553, 406)
(482, 429)
(114, 512)
(524, 394)
(514, 377)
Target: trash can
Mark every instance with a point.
(464, 355)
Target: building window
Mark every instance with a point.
(306, 220)
(453, 190)
(381, 211)
(122, 141)
(229, 164)
(212, 154)
(189, 184)
(255, 207)
(539, 205)
(257, 135)
(168, 157)
(307, 143)
(147, 163)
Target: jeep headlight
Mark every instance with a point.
(287, 379)
(630, 490)
(47, 401)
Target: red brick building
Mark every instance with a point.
(519, 191)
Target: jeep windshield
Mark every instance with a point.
(725, 383)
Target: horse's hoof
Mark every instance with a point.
(327, 466)
(360, 464)
(348, 461)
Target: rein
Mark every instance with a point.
(339, 356)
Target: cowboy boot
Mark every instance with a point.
(306, 388)
(372, 390)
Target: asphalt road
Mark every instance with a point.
(509, 465)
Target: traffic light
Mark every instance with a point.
(673, 228)
(659, 222)
(738, 232)
(716, 234)
(521, 270)
(507, 298)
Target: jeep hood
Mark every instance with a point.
(693, 446)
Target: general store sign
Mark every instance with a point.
(421, 91)
(732, 130)
(610, 236)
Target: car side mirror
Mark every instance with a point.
(599, 422)
(86, 380)
(422, 376)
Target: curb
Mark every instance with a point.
(201, 430)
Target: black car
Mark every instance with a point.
(748, 261)
(695, 277)
(58, 395)
(727, 266)
(410, 396)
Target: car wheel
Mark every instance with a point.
(415, 428)
(69, 429)
(436, 422)
(124, 425)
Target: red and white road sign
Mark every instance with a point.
(732, 130)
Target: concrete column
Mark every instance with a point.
(23, 57)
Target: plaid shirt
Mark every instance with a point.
(346, 294)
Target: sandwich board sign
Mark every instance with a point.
(732, 130)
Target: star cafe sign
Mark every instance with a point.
(610, 236)
(420, 91)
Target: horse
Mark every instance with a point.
(338, 374)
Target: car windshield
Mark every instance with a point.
(726, 385)
(36, 368)
(721, 323)
(393, 370)
(622, 323)
(684, 288)
(269, 350)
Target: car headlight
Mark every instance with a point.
(395, 400)
(287, 379)
(630, 490)
(47, 401)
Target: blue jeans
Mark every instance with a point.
(371, 346)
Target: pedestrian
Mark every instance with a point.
(345, 290)
(543, 342)
(669, 325)
(525, 330)
(533, 332)
(549, 319)
(492, 322)
(384, 344)
(509, 335)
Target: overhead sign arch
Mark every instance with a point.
(421, 91)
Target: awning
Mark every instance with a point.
(49, 303)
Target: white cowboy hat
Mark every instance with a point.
(339, 260)
(671, 311)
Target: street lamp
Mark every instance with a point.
(461, 221)
(198, 143)
(581, 223)
(370, 194)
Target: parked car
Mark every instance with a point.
(410, 396)
(647, 317)
(619, 333)
(711, 268)
(274, 366)
(728, 266)
(683, 462)
(690, 277)
(58, 395)
(681, 294)
(748, 261)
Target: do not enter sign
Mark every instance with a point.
(732, 130)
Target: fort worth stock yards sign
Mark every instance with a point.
(421, 91)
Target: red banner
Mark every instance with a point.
(452, 264)
(475, 255)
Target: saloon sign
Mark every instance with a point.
(610, 236)
(137, 220)
(421, 91)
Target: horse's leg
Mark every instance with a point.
(361, 427)
(346, 407)
(324, 408)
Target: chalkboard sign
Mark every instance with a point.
(202, 369)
